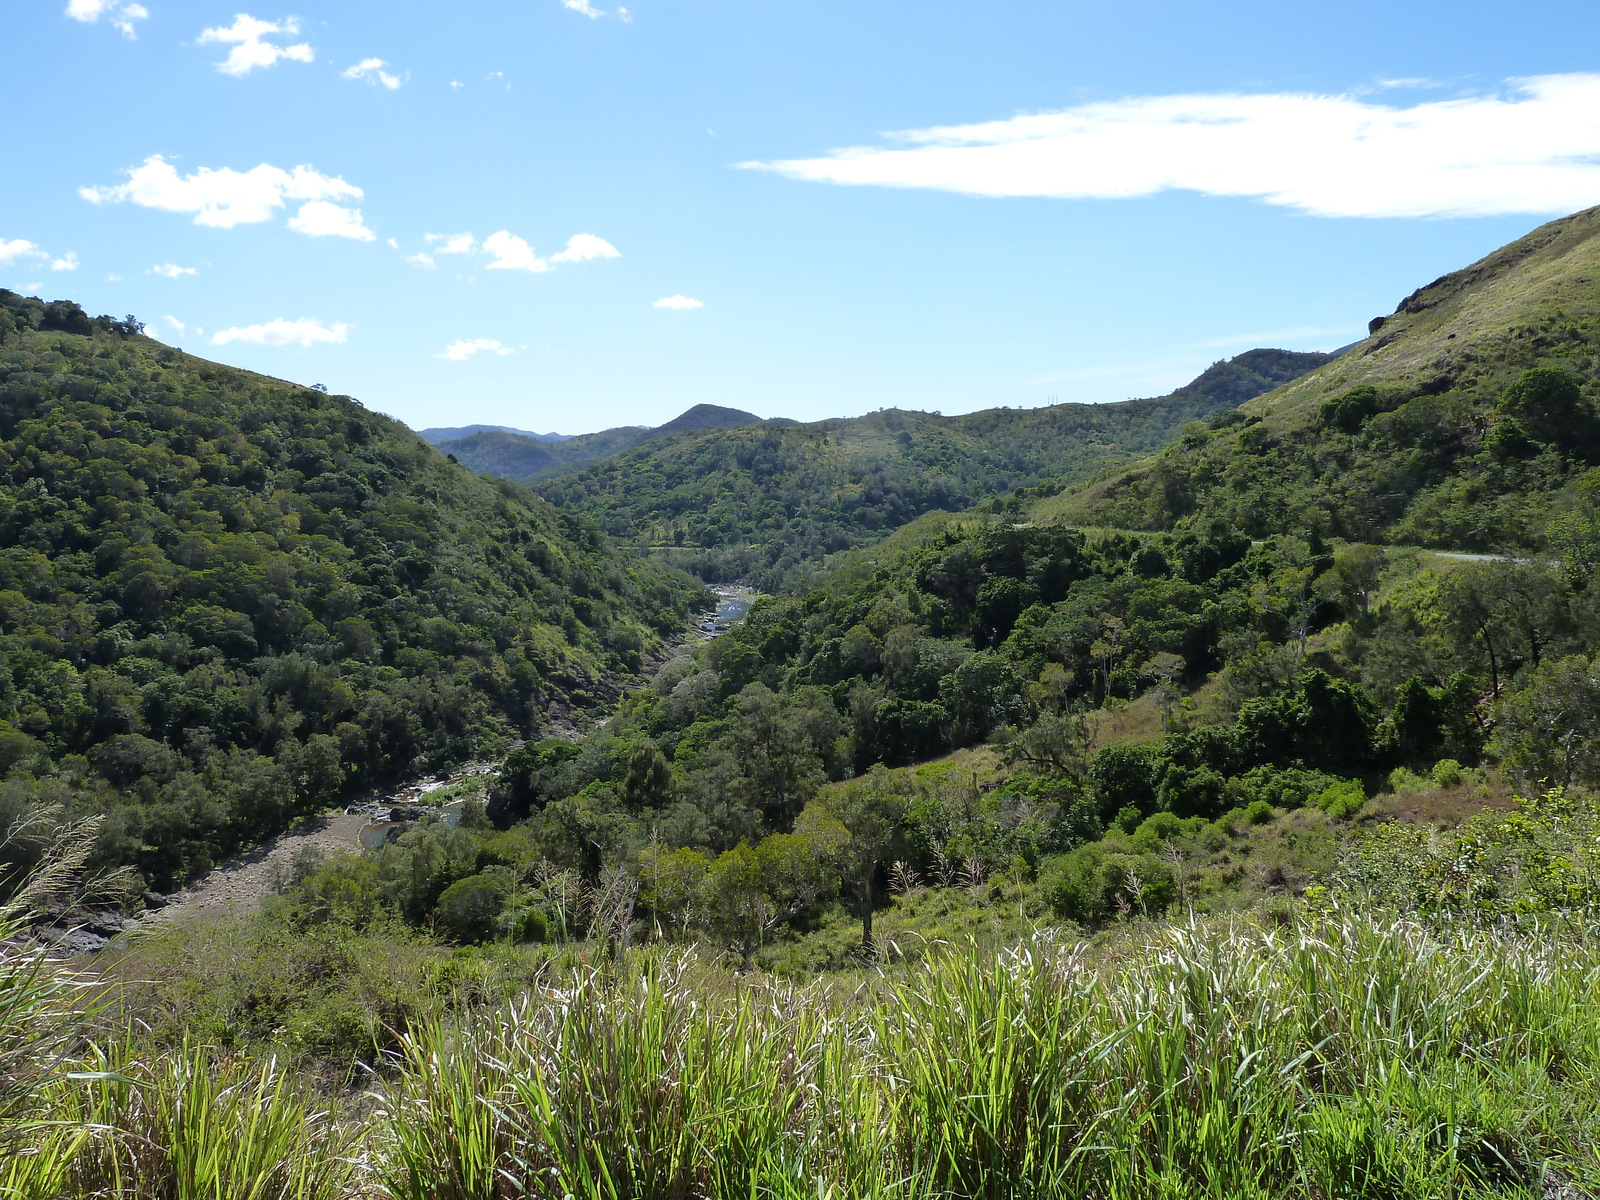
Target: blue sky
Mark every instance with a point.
(1036, 201)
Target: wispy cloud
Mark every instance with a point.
(177, 325)
(371, 69)
(584, 247)
(584, 7)
(304, 332)
(67, 262)
(248, 37)
(119, 15)
(221, 198)
(466, 348)
(451, 243)
(171, 271)
(17, 249)
(1533, 149)
(678, 303)
(511, 253)
(320, 218)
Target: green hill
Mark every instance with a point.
(454, 433)
(769, 502)
(1431, 431)
(510, 454)
(225, 599)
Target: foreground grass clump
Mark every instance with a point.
(1335, 1056)
(1339, 1059)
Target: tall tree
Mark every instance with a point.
(872, 811)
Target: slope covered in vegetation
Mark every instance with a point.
(768, 503)
(225, 599)
(511, 454)
(1432, 431)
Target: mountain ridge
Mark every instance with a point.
(1426, 454)
(436, 434)
(771, 501)
(511, 455)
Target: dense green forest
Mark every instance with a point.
(1430, 432)
(1333, 675)
(1221, 845)
(515, 456)
(767, 504)
(226, 600)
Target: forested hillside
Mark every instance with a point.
(225, 599)
(1148, 863)
(1466, 420)
(768, 503)
(511, 454)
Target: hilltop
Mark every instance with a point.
(510, 454)
(226, 599)
(771, 501)
(455, 433)
(1431, 431)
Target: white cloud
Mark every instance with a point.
(624, 15)
(1533, 150)
(451, 243)
(584, 7)
(371, 69)
(465, 349)
(678, 303)
(122, 16)
(171, 271)
(18, 248)
(304, 332)
(320, 218)
(67, 262)
(457, 84)
(247, 35)
(511, 253)
(582, 247)
(221, 198)
(419, 259)
(176, 324)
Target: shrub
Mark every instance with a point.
(1259, 812)
(1342, 799)
(469, 908)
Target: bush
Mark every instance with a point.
(1259, 812)
(469, 908)
(1341, 800)
(1094, 883)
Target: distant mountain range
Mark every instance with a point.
(512, 454)
(457, 432)
(769, 503)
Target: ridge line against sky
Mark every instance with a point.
(1081, 242)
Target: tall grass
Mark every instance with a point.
(1343, 1057)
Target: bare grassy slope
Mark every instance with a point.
(1439, 363)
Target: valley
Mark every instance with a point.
(1185, 796)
